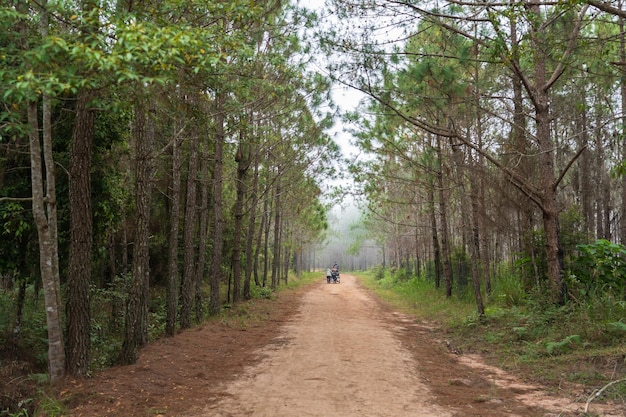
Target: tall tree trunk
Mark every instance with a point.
(81, 238)
(45, 214)
(266, 247)
(218, 228)
(622, 53)
(521, 148)
(277, 219)
(136, 325)
(204, 229)
(286, 261)
(189, 234)
(173, 277)
(261, 245)
(477, 184)
(243, 164)
(443, 219)
(477, 264)
(434, 234)
(547, 171)
(251, 222)
(601, 180)
(43, 189)
(585, 187)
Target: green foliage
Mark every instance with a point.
(107, 321)
(563, 346)
(601, 265)
(261, 292)
(508, 291)
(32, 338)
(48, 406)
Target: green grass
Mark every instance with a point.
(419, 298)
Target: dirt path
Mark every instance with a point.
(331, 350)
(338, 359)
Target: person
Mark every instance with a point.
(335, 272)
(329, 275)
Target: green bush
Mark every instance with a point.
(601, 266)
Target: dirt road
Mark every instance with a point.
(330, 350)
(345, 355)
(338, 358)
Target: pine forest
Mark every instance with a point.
(161, 161)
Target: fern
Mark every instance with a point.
(562, 346)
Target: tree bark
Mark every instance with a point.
(45, 214)
(434, 234)
(277, 219)
(267, 215)
(622, 53)
(218, 228)
(189, 232)
(173, 277)
(81, 239)
(136, 324)
(243, 164)
(204, 229)
(443, 220)
(547, 170)
(43, 190)
(251, 222)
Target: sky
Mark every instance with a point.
(344, 215)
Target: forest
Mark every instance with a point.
(495, 140)
(161, 161)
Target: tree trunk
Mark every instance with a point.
(585, 187)
(173, 277)
(266, 247)
(434, 234)
(548, 180)
(261, 245)
(204, 229)
(550, 209)
(622, 53)
(443, 219)
(45, 214)
(477, 265)
(251, 222)
(43, 190)
(189, 233)
(81, 239)
(218, 228)
(243, 164)
(601, 178)
(277, 219)
(136, 325)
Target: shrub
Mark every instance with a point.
(601, 265)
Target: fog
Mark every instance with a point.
(346, 243)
